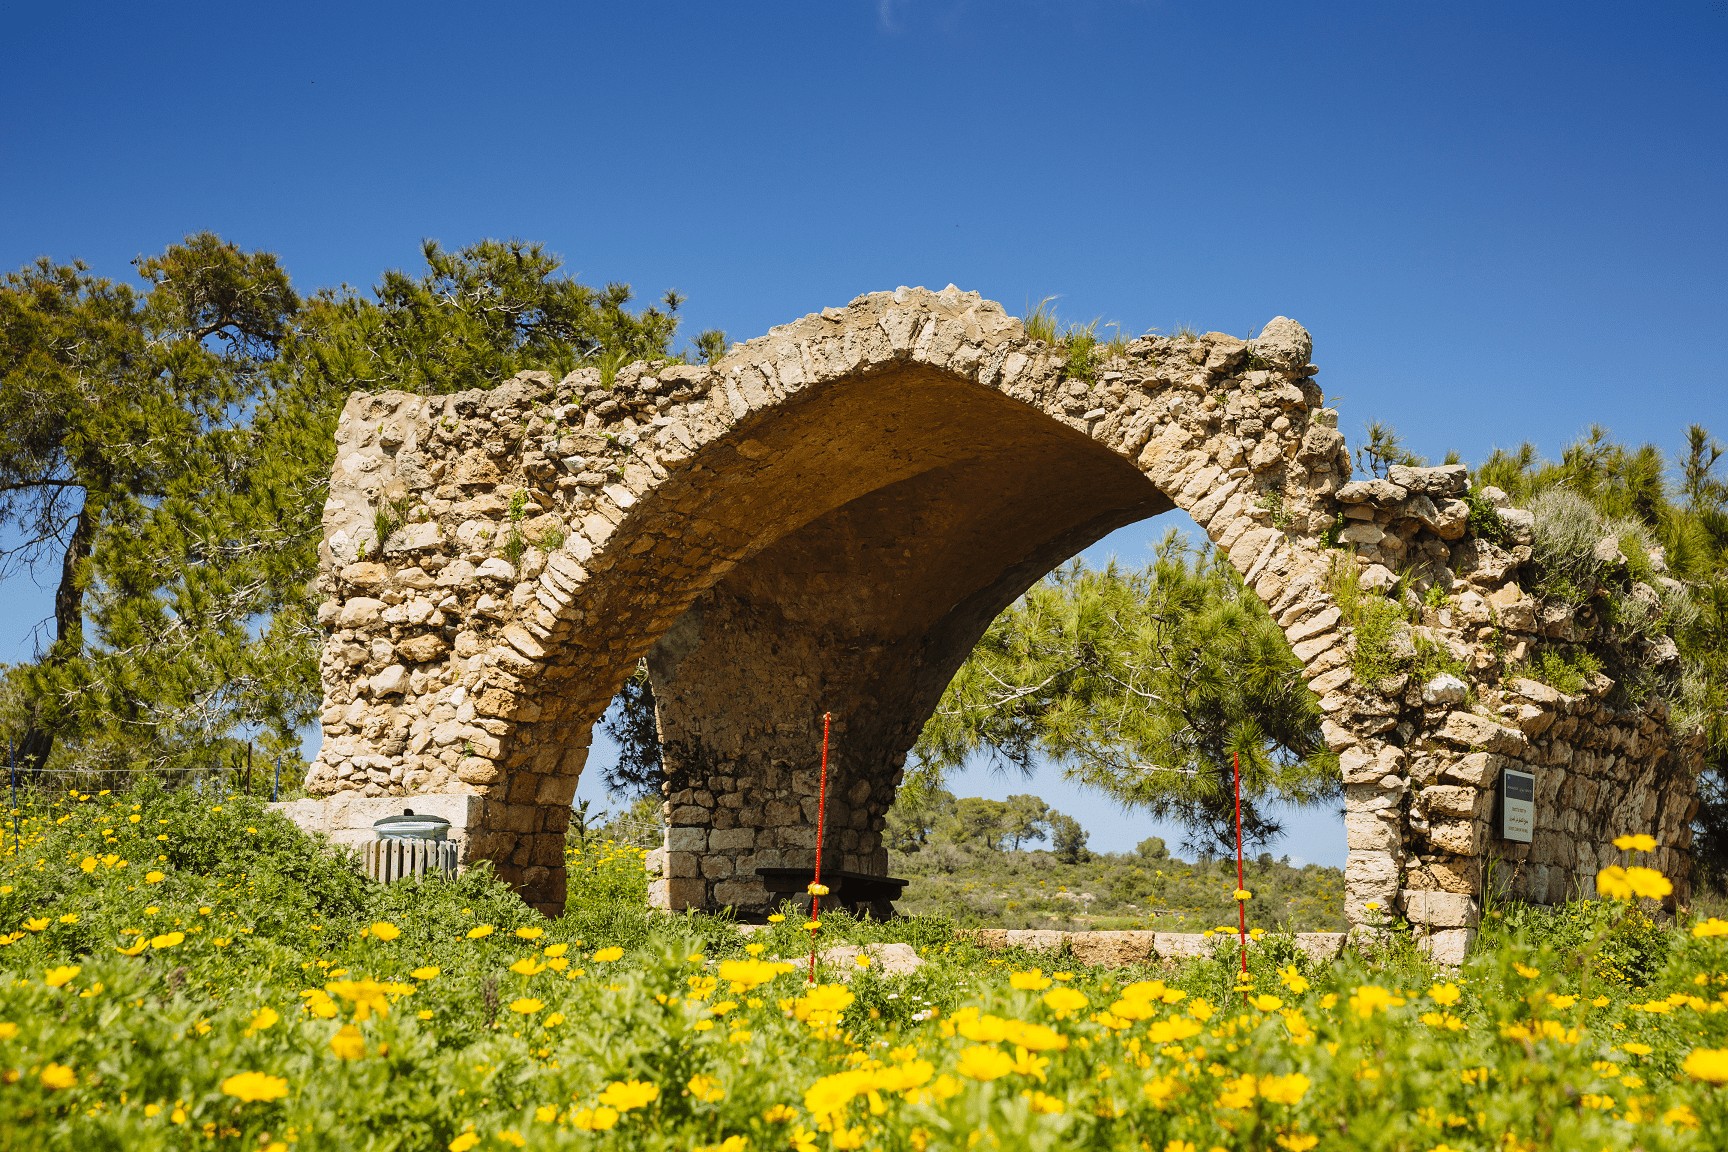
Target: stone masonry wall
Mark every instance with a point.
(829, 517)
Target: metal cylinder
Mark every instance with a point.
(389, 860)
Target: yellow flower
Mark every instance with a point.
(1526, 971)
(1639, 843)
(1238, 1093)
(134, 948)
(1710, 927)
(57, 1076)
(527, 1005)
(1445, 995)
(37, 923)
(1648, 882)
(61, 976)
(1297, 1142)
(88, 863)
(367, 996)
(154, 877)
(464, 1142)
(823, 1003)
(595, 1119)
(744, 975)
(1241, 894)
(777, 918)
(530, 933)
(706, 1089)
(1171, 1031)
(1031, 980)
(1062, 1001)
(511, 1137)
(348, 1043)
(1293, 979)
(1266, 1002)
(428, 972)
(7, 1029)
(1370, 998)
(479, 931)
(1619, 883)
(816, 889)
(982, 1063)
(527, 966)
(552, 1020)
(608, 955)
(1709, 1064)
(168, 940)
(385, 930)
(1043, 1103)
(1285, 1089)
(266, 1018)
(254, 1086)
(555, 950)
(625, 1095)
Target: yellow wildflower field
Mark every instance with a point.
(181, 974)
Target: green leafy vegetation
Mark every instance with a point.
(971, 860)
(164, 455)
(1568, 672)
(1079, 343)
(189, 974)
(1381, 648)
(1609, 519)
(1145, 684)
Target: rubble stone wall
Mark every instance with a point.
(827, 520)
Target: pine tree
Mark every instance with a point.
(1145, 684)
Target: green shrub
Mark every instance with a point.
(1377, 625)
(1566, 671)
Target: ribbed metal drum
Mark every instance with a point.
(409, 845)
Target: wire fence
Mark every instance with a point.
(239, 773)
(634, 829)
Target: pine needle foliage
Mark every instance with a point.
(1145, 684)
(167, 451)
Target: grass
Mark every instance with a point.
(179, 974)
(984, 888)
(1376, 623)
(1079, 343)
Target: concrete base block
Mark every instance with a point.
(346, 819)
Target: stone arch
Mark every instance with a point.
(828, 519)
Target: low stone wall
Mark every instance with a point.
(1118, 949)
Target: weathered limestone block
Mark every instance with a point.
(1440, 909)
(1468, 730)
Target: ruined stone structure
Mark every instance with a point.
(829, 517)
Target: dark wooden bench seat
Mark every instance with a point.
(854, 891)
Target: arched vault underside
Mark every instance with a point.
(828, 519)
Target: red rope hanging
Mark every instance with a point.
(1241, 881)
(816, 888)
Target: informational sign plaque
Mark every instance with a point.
(1517, 805)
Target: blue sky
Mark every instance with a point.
(1500, 222)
